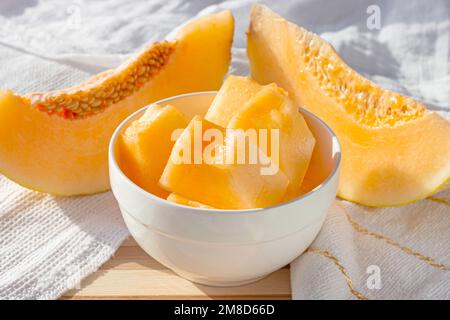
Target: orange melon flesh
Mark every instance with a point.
(173, 197)
(144, 147)
(272, 109)
(216, 183)
(57, 142)
(394, 150)
(233, 95)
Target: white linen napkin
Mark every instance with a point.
(48, 244)
(378, 253)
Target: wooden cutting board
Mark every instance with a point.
(132, 274)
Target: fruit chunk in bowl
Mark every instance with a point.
(252, 149)
(227, 247)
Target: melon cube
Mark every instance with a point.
(145, 146)
(273, 110)
(197, 170)
(232, 96)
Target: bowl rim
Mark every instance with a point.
(112, 162)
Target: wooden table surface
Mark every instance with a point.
(132, 274)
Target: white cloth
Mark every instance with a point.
(378, 253)
(47, 243)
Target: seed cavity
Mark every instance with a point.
(365, 101)
(100, 92)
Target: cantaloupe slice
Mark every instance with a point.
(272, 109)
(235, 92)
(56, 142)
(144, 147)
(394, 150)
(173, 197)
(214, 181)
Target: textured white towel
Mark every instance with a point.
(47, 244)
(378, 253)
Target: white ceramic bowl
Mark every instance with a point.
(220, 247)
